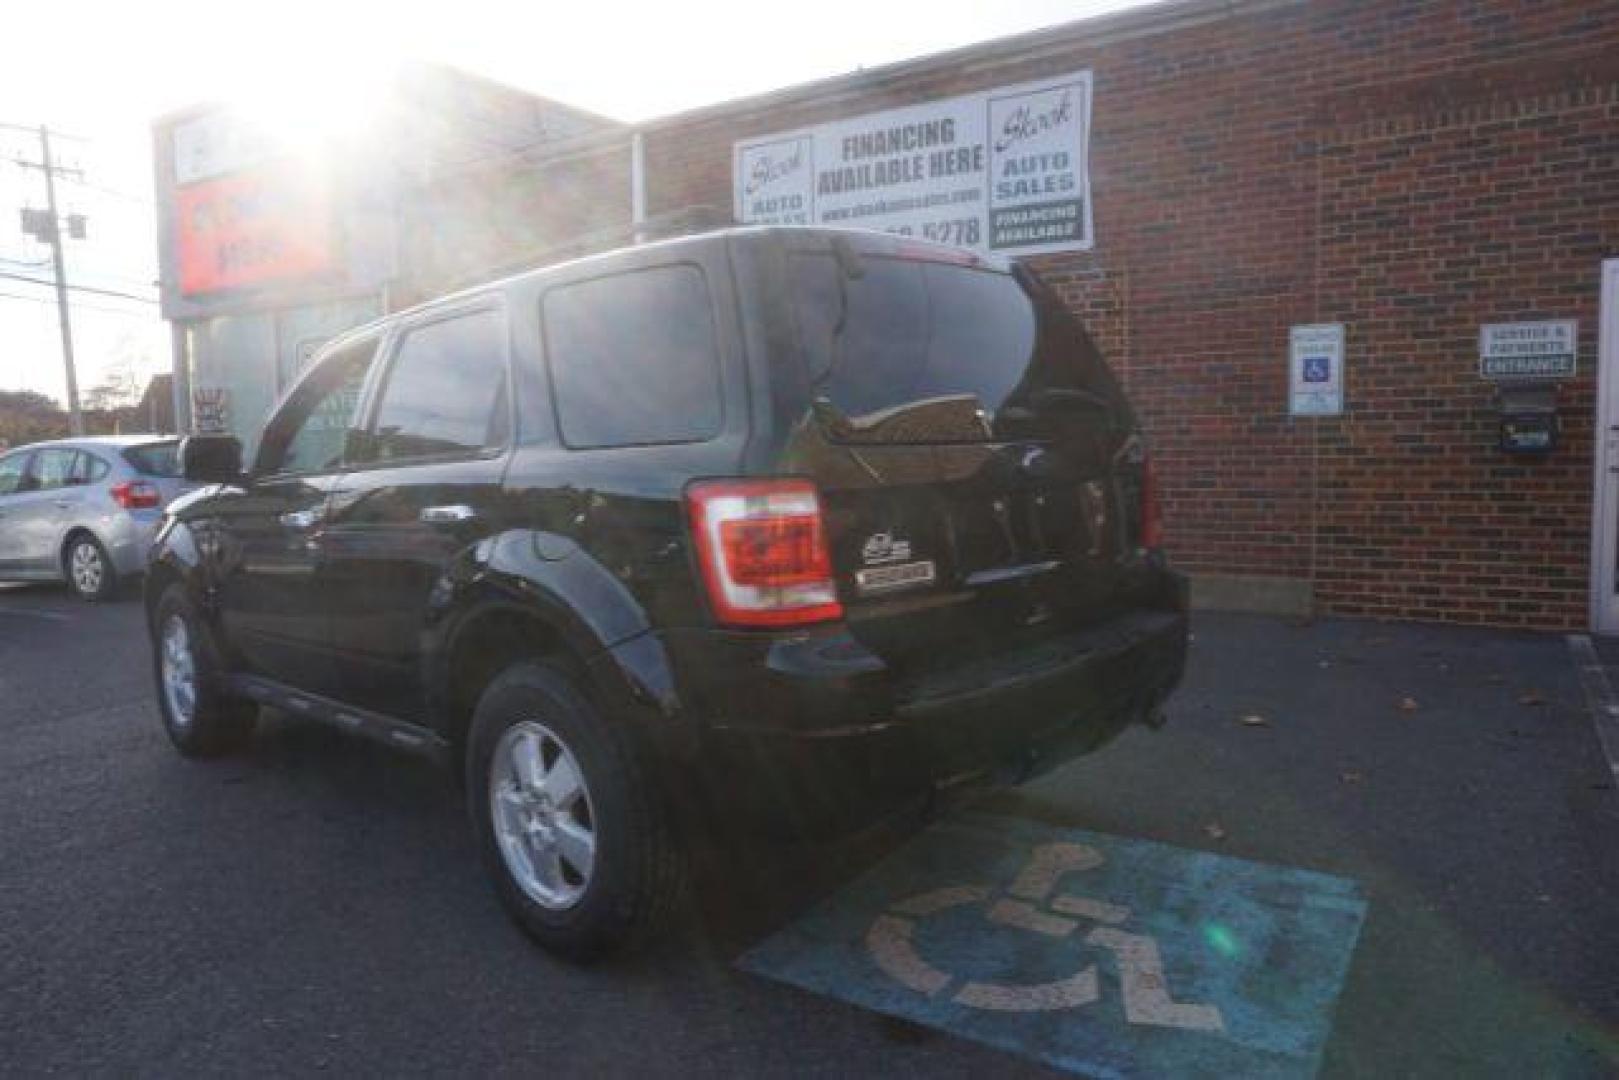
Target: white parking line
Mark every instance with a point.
(52, 616)
(1599, 697)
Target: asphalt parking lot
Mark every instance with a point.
(317, 905)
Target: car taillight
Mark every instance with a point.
(1152, 520)
(136, 495)
(762, 548)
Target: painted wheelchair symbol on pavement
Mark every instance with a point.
(890, 940)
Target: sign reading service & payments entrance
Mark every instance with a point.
(1005, 171)
(1527, 350)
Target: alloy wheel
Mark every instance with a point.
(179, 670)
(87, 568)
(544, 823)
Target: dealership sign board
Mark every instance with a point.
(1527, 350)
(1003, 171)
(264, 226)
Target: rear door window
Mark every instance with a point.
(446, 392)
(634, 358)
(90, 469)
(52, 469)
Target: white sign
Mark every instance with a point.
(216, 144)
(1316, 370)
(1004, 171)
(1527, 350)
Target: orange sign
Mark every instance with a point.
(269, 226)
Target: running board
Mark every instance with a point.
(363, 722)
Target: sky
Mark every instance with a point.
(102, 71)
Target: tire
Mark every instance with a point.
(89, 571)
(636, 877)
(204, 722)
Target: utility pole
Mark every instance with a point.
(59, 265)
(47, 227)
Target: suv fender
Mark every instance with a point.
(176, 557)
(577, 606)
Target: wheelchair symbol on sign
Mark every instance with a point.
(1141, 971)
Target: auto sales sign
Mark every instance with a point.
(1005, 171)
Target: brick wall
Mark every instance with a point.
(1408, 169)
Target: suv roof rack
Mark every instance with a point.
(686, 221)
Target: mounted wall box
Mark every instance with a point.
(1529, 421)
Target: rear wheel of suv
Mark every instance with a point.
(90, 572)
(567, 817)
(199, 717)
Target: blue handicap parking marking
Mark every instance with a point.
(1098, 954)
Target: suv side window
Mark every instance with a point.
(13, 471)
(445, 394)
(634, 359)
(309, 432)
(52, 468)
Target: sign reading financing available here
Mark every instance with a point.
(1316, 370)
(1004, 171)
(1527, 350)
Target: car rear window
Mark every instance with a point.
(914, 351)
(155, 459)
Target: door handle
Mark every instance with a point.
(64, 504)
(455, 514)
(300, 519)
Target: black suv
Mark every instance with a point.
(789, 525)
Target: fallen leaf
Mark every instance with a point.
(1352, 776)
(1253, 720)
(1532, 697)
(1215, 830)
(1408, 704)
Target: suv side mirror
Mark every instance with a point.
(211, 459)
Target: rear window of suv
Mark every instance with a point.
(634, 359)
(154, 459)
(919, 351)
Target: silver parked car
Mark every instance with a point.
(84, 510)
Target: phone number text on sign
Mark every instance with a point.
(1003, 171)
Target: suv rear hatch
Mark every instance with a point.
(979, 466)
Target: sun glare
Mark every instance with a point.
(324, 103)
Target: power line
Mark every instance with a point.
(130, 195)
(86, 307)
(80, 288)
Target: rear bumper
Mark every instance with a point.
(129, 539)
(817, 732)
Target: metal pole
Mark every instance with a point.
(58, 264)
(182, 378)
(638, 184)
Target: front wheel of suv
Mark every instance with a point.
(200, 718)
(568, 818)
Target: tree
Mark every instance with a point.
(28, 416)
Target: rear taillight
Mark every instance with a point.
(136, 495)
(762, 548)
(1152, 520)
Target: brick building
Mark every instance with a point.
(1411, 171)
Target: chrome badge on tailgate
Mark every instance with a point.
(891, 571)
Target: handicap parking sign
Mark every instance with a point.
(1099, 954)
(1317, 369)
